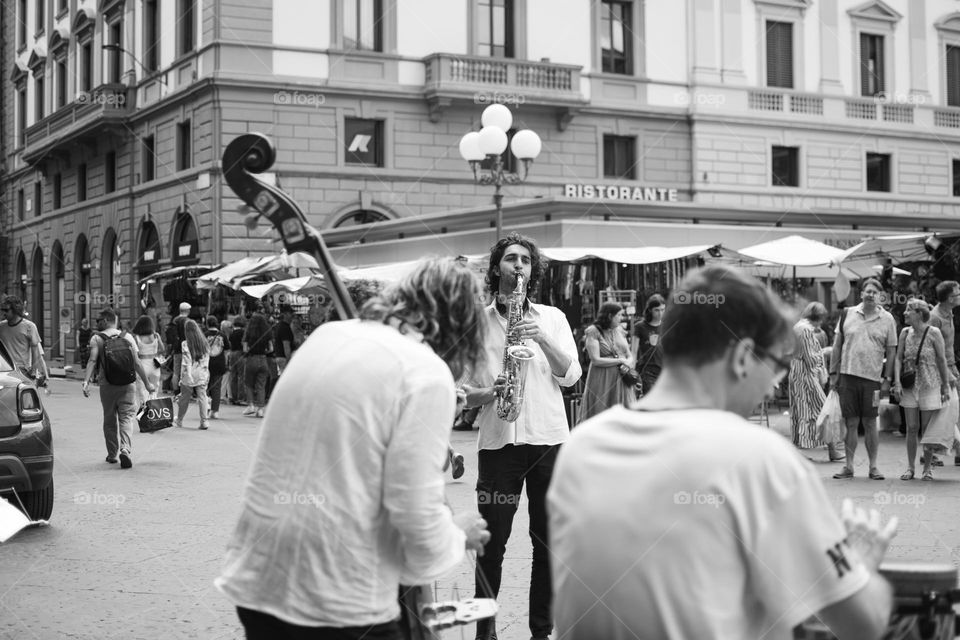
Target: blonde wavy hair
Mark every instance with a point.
(440, 299)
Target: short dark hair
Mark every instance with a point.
(15, 304)
(653, 302)
(605, 314)
(537, 266)
(716, 305)
(108, 315)
(945, 289)
(212, 322)
(144, 326)
(871, 281)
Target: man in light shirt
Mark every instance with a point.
(345, 499)
(941, 317)
(523, 451)
(678, 519)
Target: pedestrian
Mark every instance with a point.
(334, 518)
(865, 344)
(285, 343)
(217, 344)
(920, 355)
(609, 352)
(114, 357)
(22, 341)
(523, 451)
(808, 375)
(149, 348)
(175, 336)
(679, 519)
(646, 341)
(257, 343)
(236, 362)
(941, 317)
(84, 333)
(226, 328)
(194, 373)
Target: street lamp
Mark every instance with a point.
(489, 143)
(119, 49)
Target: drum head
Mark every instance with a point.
(917, 578)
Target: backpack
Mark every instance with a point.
(215, 342)
(117, 359)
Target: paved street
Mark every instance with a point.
(132, 554)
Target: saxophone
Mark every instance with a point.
(516, 355)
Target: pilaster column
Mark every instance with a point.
(830, 47)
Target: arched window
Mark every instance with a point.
(82, 266)
(36, 302)
(359, 217)
(59, 313)
(22, 276)
(109, 273)
(148, 251)
(185, 244)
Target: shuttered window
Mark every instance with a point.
(871, 65)
(780, 54)
(953, 76)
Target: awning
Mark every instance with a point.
(794, 251)
(292, 285)
(235, 273)
(901, 248)
(176, 271)
(624, 255)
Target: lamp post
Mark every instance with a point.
(489, 143)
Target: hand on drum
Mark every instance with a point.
(865, 535)
(476, 529)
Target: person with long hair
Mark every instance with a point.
(194, 372)
(606, 345)
(646, 342)
(334, 517)
(921, 350)
(680, 500)
(257, 343)
(149, 348)
(523, 451)
(218, 343)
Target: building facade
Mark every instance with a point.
(663, 122)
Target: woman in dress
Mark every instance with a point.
(218, 344)
(194, 372)
(149, 346)
(606, 344)
(931, 387)
(808, 374)
(646, 341)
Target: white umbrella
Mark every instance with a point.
(794, 251)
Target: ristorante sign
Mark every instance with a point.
(613, 192)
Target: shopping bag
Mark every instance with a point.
(942, 427)
(830, 424)
(157, 414)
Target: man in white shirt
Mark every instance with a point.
(22, 340)
(345, 499)
(523, 451)
(679, 519)
(941, 317)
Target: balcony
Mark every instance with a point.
(479, 80)
(89, 115)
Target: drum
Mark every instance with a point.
(924, 595)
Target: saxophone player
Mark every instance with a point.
(524, 449)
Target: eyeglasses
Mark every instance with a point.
(782, 362)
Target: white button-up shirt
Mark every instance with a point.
(542, 417)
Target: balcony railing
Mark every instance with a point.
(106, 105)
(451, 77)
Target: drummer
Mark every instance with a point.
(678, 518)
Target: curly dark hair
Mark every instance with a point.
(258, 329)
(605, 315)
(537, 265)
(438, 299)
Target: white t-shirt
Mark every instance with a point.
(690, 524)
(345, 499)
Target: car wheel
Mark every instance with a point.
(38, 504)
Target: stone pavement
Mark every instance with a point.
(132, 553)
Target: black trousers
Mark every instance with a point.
(502, 474)
(263, 626)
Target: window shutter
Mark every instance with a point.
(953, 76)
(780, 54)
(865, 65)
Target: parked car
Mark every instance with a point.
(26, 443)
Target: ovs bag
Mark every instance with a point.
(157, 415)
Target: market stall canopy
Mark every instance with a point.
(901, 248)
(625, 255)
(794, 251)
(176, 271)
(235, 273)
(292, 285)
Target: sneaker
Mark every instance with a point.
(249, 411)
(457, 466)
(125, 461)
(204, 426)
(112, 459)
(215, 415)
(259, 413)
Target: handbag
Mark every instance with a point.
(909, 378)
(630, 377)
(157, 414)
